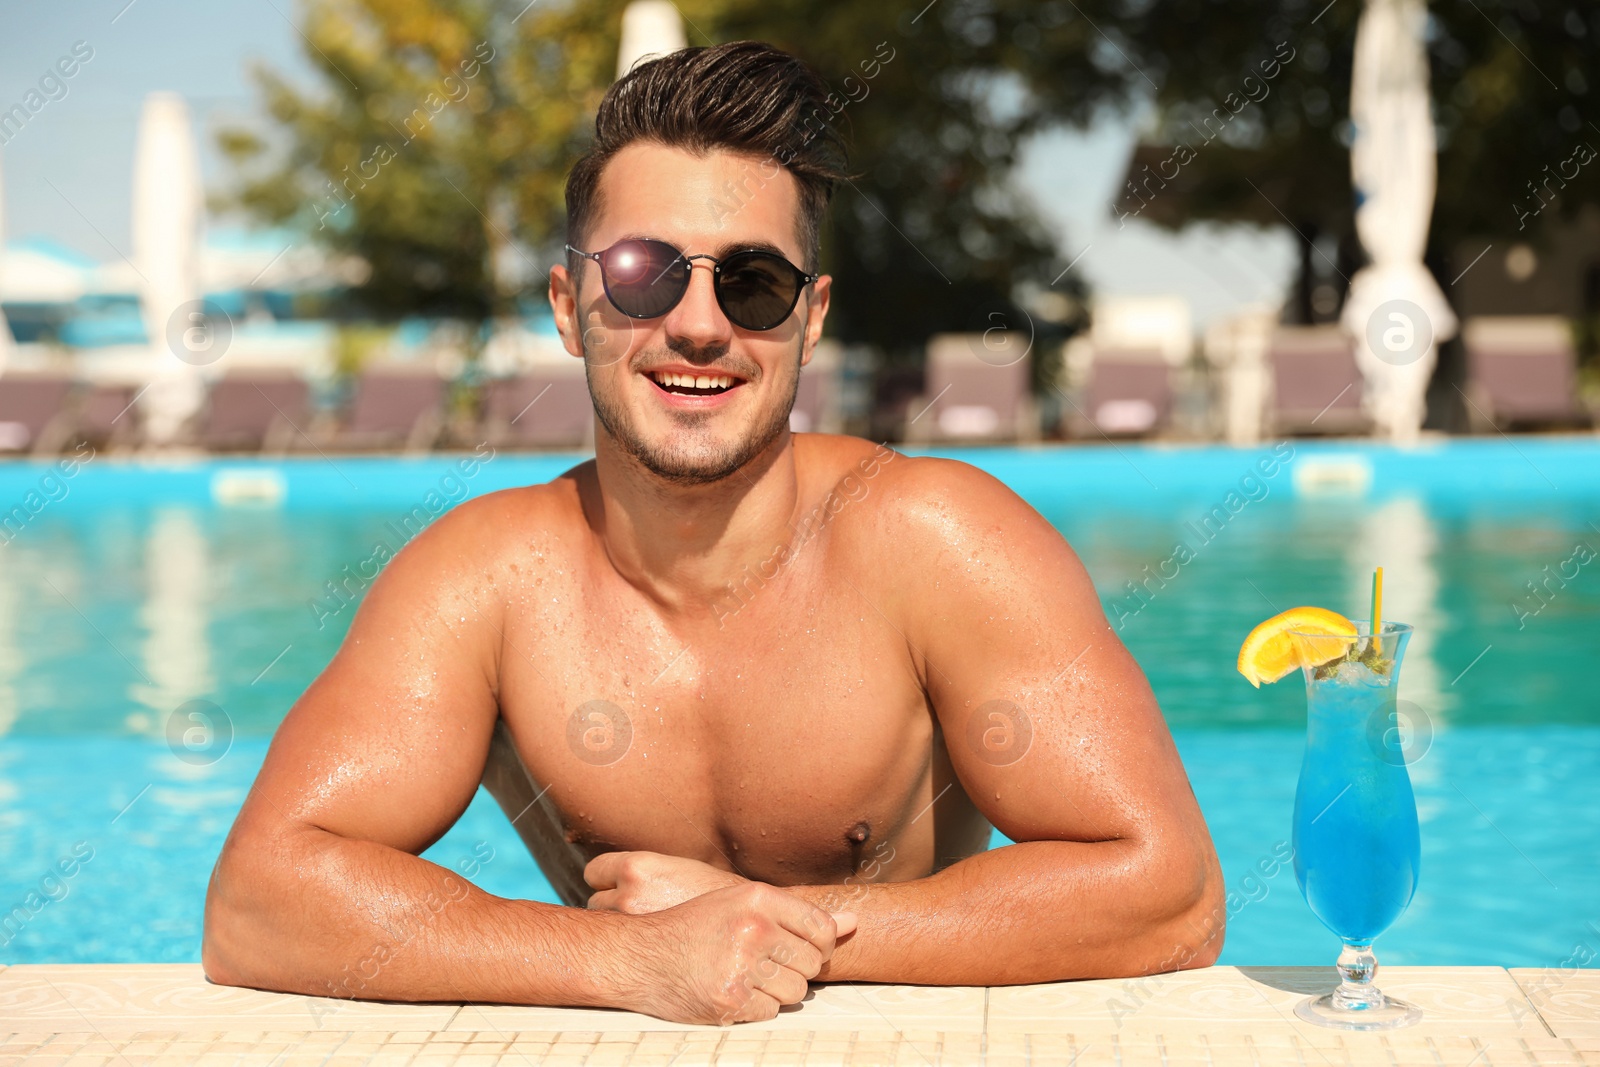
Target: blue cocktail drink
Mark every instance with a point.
(1355, 821)
(1356, 845)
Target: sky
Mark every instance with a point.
(67, 175)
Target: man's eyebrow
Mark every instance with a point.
(721, 251)
(749, 246)
(637, 236)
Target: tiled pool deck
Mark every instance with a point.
(136, 1014)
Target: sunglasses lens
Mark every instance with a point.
(644, 279)
(757, 290)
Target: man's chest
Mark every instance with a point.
(792, 743)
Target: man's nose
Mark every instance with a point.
(698, 318)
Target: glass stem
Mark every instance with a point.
(1357, 969)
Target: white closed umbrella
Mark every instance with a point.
(168, 214)
(649, 28)
(1395, 309)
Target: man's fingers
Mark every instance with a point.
(799, 955)
(606, 900)
(609, 869)
(844, 923)
(810, 922)
(601, 872)
(783, 984)
(758, 1007)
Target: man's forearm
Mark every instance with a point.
(1037, 911)
(335, 917)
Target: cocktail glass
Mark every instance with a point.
(1356, 845)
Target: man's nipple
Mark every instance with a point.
(859, 833)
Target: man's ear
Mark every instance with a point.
(564, 306)
(816, 312)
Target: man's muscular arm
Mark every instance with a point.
(320, 889)
(1113, 872)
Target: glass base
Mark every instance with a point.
(1387, 1014)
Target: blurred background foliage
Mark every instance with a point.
(930, 236)
(433, 175)
(1510, 90)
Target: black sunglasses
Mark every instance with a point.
(645, 279)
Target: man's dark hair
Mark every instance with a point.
(743, 96)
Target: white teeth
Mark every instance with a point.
(691, 381)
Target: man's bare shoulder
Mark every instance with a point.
(924, 502)
(512, 517)
(461, 566)
(943, 542)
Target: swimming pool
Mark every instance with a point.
(130, 591)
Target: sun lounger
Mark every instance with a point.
(1317, 386)
(1128, 394)
(108, 416)
(896, 395)
(257, 412)
(808, 402)
(976, 390)
(1521, 371)
(35, 414)
(541, 410)
(394, 408)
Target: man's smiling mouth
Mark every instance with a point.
(694, 385)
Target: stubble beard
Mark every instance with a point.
(699, 460)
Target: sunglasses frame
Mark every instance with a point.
(716, 286)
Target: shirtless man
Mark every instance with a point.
(777, 687)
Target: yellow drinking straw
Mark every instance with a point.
(1377, 604)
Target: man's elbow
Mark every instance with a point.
(1200, 915)
(216, 962)
(222, 956)
(234, 946)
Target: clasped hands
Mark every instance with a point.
(716, 947)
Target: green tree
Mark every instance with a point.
(436, 147)
(930, 235)
(1510, 83)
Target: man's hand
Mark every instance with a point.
(732, 955)
(638, 883)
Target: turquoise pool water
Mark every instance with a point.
(130, 591)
